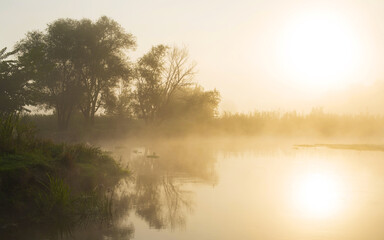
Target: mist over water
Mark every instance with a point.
(192, 120)
(244, 188)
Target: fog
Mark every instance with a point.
(191, 119)
(237, 50)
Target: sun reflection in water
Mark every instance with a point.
(317, 195)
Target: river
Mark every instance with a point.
(244, 189)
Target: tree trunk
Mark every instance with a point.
(63, 116)
(62, 120)
(89, 118)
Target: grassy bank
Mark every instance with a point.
(356, 147)
(48, 186)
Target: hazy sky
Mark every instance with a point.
(260, 54)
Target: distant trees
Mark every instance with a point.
(163, 89)
(194, 104)
(82, 66)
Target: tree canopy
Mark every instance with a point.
(82, 66)
(160, 73)
(74, 62)
(14, 87)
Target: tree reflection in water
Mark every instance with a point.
(157, 191)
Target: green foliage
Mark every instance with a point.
(55, 206)
(14, 132)
(81, 66)
(47, 62)
(73, 192)
(14, 86)
(63, 211)
(74, 63)
(101, 61)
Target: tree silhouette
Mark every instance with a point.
(101, 61)
(14, 87)
(48, 61)
(74, 63)
(159, 73)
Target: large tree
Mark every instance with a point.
(74, 62)
(159, 74)
(48, 60)
(101, 61)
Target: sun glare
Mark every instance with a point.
(319, 50)
(317, 195)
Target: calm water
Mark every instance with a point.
(204, 189)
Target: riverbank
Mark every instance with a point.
(51, 187)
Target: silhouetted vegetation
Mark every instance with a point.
(201, 123)
(160, 73)
(14, 85)
(81, 70)
(74, 64)
(357, 147)
(80, 66)
(48, 189)
(292, 124)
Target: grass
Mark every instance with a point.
(49, 186)
(292, 124)
(357, 147)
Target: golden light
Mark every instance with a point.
(320, 50)
(317, 195)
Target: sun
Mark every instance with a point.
(319, 50)
(317, 195)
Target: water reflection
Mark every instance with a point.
(200, 190)
(161, 202)
(102, 232)
(317, 195)
(158, 191)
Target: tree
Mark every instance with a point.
(14, 87)
(100, 61)
(193, 105)
(118, 101)
(74, 63)
(48, 61)
(159, 73)
(196, 104)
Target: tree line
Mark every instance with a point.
(84, 66)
